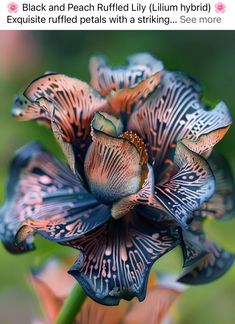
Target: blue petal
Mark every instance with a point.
(44, 196)
(222, 204)
(115, 259)
(216, 263)
(192, 247)
(174, 112)
(139, 67)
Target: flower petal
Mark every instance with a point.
(113, 166)
(44, 196)
(222, 204)
(116, 258)
(123, 102)
(192, 247)
(156, 306)
(52, 285)
(172, 113)
(70, 105)
(191, 185)
(93, 312)
(143, 196)
(50, 302)
(23, 108)
(107, 124)
(211, 267)
(205, 143)
(139, 67)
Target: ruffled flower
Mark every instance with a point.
(141, 178)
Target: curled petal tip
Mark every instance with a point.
(216, 262)
(107, 123)
(146, 59)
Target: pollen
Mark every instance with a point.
(138, 142)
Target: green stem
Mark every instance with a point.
(71, 306)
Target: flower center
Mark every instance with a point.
(115, 166)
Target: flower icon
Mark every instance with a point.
(220, 7)
(12, 7)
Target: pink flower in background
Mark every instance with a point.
(12, 7)
(26, 45)
(220, 7)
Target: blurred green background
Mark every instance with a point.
(208, 56)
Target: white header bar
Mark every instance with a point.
(117, 14)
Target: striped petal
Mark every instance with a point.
(23, 108)
(44, 196)
(125, 101)
(68, 105)
(205, 143)
(115, 259)
(192, 247)
(174, 112)
(191, 185)
(222, 204)
(139, 67)
(114, 166)
(143, 197)
(216, 263)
